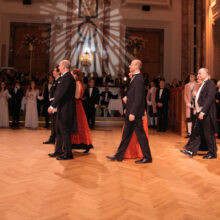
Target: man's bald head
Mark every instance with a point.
(203, 74)
(138, 63)
(135, 66)
(64, 66)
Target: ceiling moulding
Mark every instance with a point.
(215, 5)
(159, 3)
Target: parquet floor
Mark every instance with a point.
(36, 187)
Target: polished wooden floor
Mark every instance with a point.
(34, 186)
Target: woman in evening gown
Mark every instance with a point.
(4, 116)
(31, 116)
(82, 139)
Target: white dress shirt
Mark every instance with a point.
(199, 108)
(134, 76)
(161, 91)
(90, 91)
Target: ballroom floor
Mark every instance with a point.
(34, 186)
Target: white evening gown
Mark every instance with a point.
(31, 116)
(4, 117)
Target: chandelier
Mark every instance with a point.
(85, 60)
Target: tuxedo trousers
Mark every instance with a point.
(16, 115)
(53, 127)
(162, 113)
(63, 142)
(90, 114)
(130, 127)
(202, 129)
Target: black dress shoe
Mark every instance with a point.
(64, 157)
(49, 142)
(55, 154)
(187, 152)
(144, 160)
(209, 156)
(188, 136)
(112, 158)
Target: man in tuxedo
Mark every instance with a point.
(105, 98)
(46, 100)
(56, 75)
(17, 95)
(135, 111)
(91, 101)
(66, 112)
(162, 100)
(205, 121)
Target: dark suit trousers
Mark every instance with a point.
(90, 113)
(53, 127)
(162, 118)
(203, 129)
(16, 116)
(129, 128)
(63, 139)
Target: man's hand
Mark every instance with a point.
(159, 104)
(131, 117)
(201, 115)
(50, 110)
(189, 105)
(125, 99)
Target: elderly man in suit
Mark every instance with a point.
(135, 111)
(205, 122)
(66, 112)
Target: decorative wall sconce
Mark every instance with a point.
(58, 25)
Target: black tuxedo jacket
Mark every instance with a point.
(136, 97)
(53, 88)
(217, 96)
(164, 97)
(93, 99)
(64, 101)
(16, 98)
(206, 100)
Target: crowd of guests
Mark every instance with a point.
(19, 94)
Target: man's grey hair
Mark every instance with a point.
(205, 70)
(139, 63)
(66, 64)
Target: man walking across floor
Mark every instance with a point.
(135, 111)
(205, 122)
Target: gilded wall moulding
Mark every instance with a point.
(160, 3)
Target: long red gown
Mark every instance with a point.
(82, 139)
(134, 150)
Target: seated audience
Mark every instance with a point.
(105, 98)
